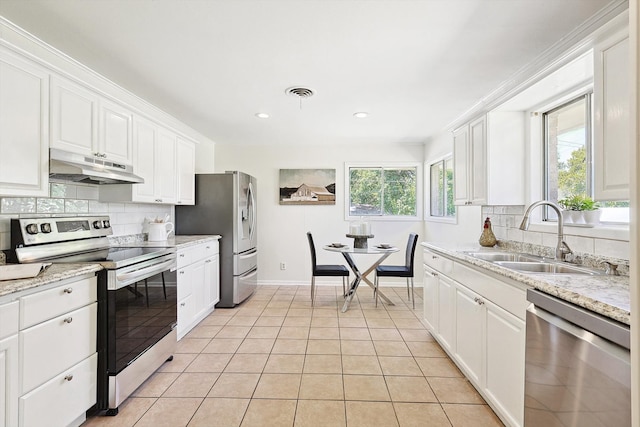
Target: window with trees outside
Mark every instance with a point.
(441, 206)
(383, 191)
(568, 158)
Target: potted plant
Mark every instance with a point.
(590, 210)
(571, 210)
(580, 209)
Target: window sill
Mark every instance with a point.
(611, 232)
(442, 220)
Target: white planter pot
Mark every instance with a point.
(573, 217)
(592, 217)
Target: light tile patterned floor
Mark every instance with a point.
(276, 361)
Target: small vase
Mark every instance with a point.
(592, 217)
(573, 217)
(487, 238)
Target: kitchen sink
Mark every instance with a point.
(503, 256)
(545, 267)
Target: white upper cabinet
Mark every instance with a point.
(167, 176)
(489, 160)
(85, 123)
(611, 112)
(24, 127)
(186, 163)
(74, 117)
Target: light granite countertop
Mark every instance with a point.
(605, 295)
(177, 242)
(52, 273)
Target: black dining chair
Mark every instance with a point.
(405, 270)
(325, 270)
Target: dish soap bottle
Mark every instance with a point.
(487, 238)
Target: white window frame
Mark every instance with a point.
(388, 165)
(427, 204)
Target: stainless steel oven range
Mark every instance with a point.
(137, 307)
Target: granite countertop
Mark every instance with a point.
(605, 295)
(178, 242)
(52, 273)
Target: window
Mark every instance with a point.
(383, 191)
(568, 157)
(441, 189)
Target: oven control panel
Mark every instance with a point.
(35, 231)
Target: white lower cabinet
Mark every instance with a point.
(9, 316)
(478, 319)
(198, 281)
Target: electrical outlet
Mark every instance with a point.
(283, 266)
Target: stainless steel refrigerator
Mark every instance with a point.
(226, 205)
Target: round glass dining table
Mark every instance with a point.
(347, 253)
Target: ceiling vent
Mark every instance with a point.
(302, 92)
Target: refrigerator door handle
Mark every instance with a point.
(252, 211)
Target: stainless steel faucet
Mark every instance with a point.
(562, 249)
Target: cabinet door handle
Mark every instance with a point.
(434, 274)
(68, 290)
(208, 260)
(434, 257)
(182, 304)
(68, 320)
(181, 255)
(68, 377)
(181, 271)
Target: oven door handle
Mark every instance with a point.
(145, 272)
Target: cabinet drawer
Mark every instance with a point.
(53, 346)
(8, 319)
(53, 302)
(211, 248)
(438, 262)
(186, 256)
(62, 399)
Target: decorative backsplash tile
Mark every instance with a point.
(76, 206)
(9, 205)
(50, 205)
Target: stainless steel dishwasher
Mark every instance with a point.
(577, 369)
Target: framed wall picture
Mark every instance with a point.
(307, 186)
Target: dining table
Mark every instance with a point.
(361, 276)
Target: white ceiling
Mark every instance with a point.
(414, 65)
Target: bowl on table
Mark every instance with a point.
(384, 246)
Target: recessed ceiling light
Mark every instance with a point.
(262, 115)
(361, 115)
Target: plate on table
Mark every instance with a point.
(337, 245)
(384, 246)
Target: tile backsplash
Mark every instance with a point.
(77, 200)
(590, 250)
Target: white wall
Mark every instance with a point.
(282, 229)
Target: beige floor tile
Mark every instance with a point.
(191, 385)
(472, 416)
(398, 365)
(295, 321)
(322, 387)
(365, 387)
(324, 322)
(409, 389)
(219, 411)
(294, 332)
(391, 348)
(346, 322)
(278, 386)
(454, 390)
(426, 349)
(325, 413)
(248, 311)
(323, 346)
(322, 364)
(352, 313)
(179, 363)
(209, 362)
(361, 348)
(289, 346)
(368, 414)
(191, 345)
(233, 332)
(408, 324)
(325, 312)
(170, 412)
(204, 331)
(438, 367)
(363, 365)
(380, 323)
(256, 345)
(419, 335)
(247, 363)
(387, 334)
(269, 413)
(242, 320)
(129, 412)
(264, 332)
(300, 312)
(212, 320)
(421, 415)
(280, 312)
(375, 314)
(354, 333)
(402, 314)
(235, 385)
(285, 363)
(223, 345)
(156, 384)
(324, 333)
(270, 321)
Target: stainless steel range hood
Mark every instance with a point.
(67, 166)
